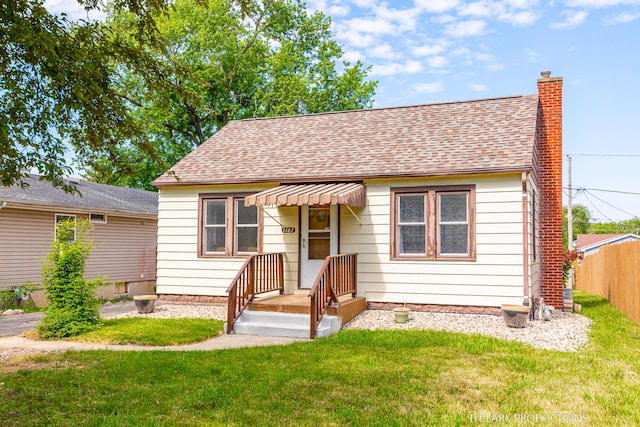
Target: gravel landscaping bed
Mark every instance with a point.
(565, 331)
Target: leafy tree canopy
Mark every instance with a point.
(582, 224)
(580, 219)
(56, 84)
(216, 61)
(621, 227)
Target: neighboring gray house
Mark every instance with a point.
(124, 235)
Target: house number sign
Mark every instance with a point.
(288, 230)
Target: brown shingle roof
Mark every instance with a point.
(450, 138)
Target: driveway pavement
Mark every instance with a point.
(19, 323)
(12, 326)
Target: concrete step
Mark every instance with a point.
(264, 323)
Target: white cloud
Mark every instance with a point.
(430, 49)
(481, 9)
(356, 39)
(436, 5)
(466, 28)
(338, 11)
(485, 57)
(494, 67)
(409, 67)
(72, 9)
(353, 56)
(443, 19)
(438, 62)
(572, 18)
(522, 4)
(622, 18)
(384, 51)
(600, 3)
(532, 55)
(461, 51)
(370, 26)
(364, 3)
(519, 19)
(405, 18)
(428, 87)
(477, 87)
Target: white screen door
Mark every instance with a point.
(318, 239)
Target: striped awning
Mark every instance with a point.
(345, 193)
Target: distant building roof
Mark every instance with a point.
(89, 197)
(468, 137)
(590, 242)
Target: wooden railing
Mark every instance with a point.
(337, 277)
(260, 273)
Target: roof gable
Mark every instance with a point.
(90, 197)
(478, 136)
(590, 241)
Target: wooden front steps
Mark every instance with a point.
(347, 309)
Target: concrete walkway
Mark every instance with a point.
(12, 326)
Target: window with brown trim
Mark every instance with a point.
(436, 223)
(226, 226)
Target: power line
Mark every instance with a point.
(604, 155)
(605, 191)
(596, 208)
(609, 204)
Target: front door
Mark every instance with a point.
(318, 239)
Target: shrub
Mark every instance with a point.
(73, 308)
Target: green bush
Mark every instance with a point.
(73, 308)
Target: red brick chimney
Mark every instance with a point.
(550, 185)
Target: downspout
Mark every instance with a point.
(525, 239)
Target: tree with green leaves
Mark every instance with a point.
(581, 222)
(73, 308)
(56, 85)
(621, 227)
(221, 61)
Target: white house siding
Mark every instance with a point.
(534, 262)
(496, 277)
(180, 271)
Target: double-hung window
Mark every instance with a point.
(433, 223)
(69, 229)
(227, 226)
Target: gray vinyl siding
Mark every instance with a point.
(124, 249)
(25, 240)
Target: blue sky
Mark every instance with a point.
(425, 51)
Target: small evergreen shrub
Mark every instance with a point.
(73, 307)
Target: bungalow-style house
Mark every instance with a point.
(455, 204)
(589, 244)
(124, 233)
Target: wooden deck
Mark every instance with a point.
(347, 309)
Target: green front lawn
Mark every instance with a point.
(353, 378)
(149, 331)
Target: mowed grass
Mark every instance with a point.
(149, 331)
(356, 378)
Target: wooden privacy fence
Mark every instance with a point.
(613, 272)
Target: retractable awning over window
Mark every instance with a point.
(349, 193)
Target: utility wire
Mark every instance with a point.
(609, 204)
(596, 208)
(604, 191)
(604, 155)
